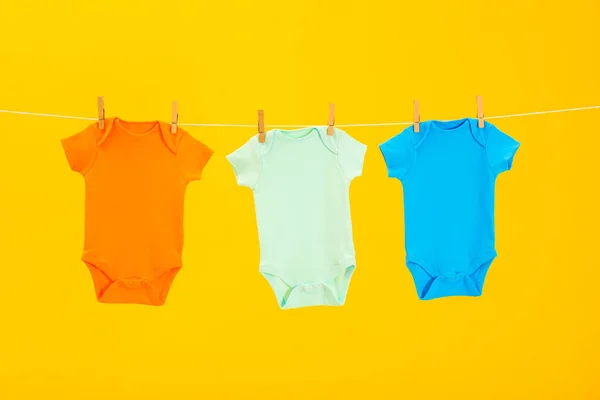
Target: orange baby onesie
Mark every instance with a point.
(136, 174)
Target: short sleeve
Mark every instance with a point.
(246, 163)
(351, 154)
(80, 150)
(193, 156)
(398, 154)
(500, 149)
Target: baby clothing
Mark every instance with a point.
(136, 175)
(448, 173)
(300, 180)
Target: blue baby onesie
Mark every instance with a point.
(448, 172)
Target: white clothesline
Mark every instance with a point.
(301, 126)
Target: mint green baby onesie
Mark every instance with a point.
(300, 180)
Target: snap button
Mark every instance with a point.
(132, 283)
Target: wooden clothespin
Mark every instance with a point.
(174, 117)
(331, 122)
(261, 126)
(480, 122)
(101, 112)
(416, 116)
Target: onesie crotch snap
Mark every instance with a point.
(452, 284)
(452, 277)
(132, 290)
(315, 293)
(134, 282)
(310, 287)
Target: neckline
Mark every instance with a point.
(121, 124)
(304, 132)
(450, 125)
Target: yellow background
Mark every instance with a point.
(533, 334)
